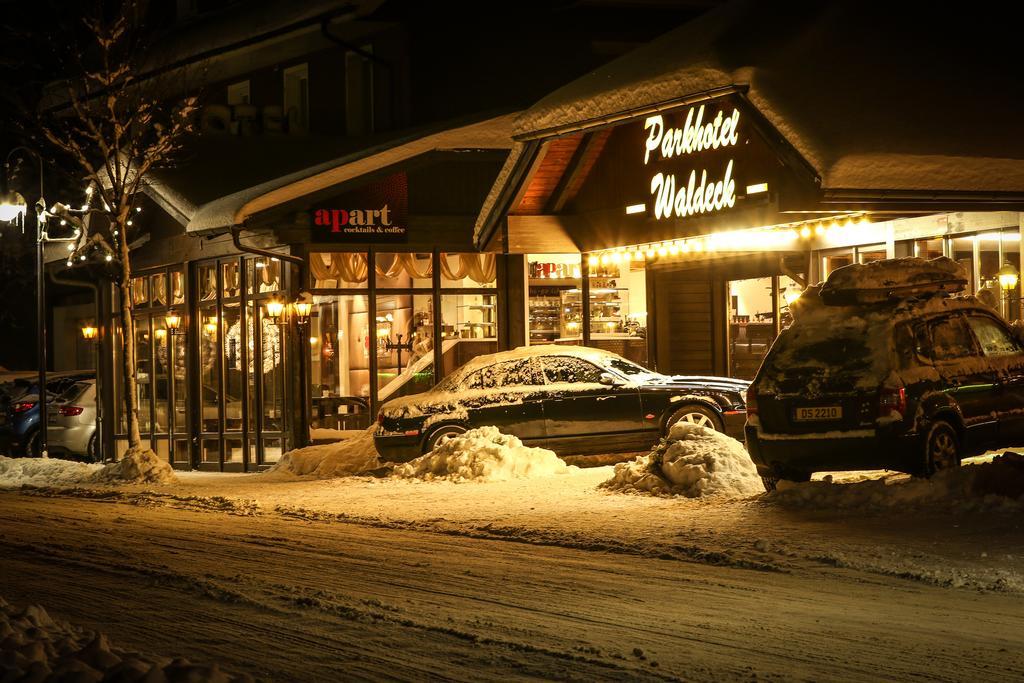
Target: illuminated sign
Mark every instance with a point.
(700, 191)
(376, 212)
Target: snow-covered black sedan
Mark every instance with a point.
(571, 399)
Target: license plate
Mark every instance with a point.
(818, 413)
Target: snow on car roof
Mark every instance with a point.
(587, 353)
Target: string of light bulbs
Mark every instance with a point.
(732, 240)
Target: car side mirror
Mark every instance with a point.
(609, 380)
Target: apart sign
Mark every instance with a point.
(376, 212)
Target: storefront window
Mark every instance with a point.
(871, 252)
(836, 258)
(404, 344)
(234, 373)
(751, 324)
(555, 312)
(928, 249)
(209, 328)
(961, 250)
(618, 307)
(140, 291)
(469, 328)
(468, 271)
(1011, 255)
(340, 341)
(158, 289)
(177, 287)
(266, 275)
(143, 372)
(337, 270)
(404, 271)
(161, 374)
(207, 276)
(230, 279)
(272, 369)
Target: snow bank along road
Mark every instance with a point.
(544, 579)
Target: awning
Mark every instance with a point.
(233, 178)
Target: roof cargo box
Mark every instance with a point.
(865, 283)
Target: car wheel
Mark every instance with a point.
(435, 436)
(770, 483)
(941, 448)
(701, 416)
(91, 453)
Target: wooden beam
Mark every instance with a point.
(561, 194)
(539, 234)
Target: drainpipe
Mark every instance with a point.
(301, 341)
(236, 235)
(56, 279)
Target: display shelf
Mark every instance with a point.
(553, 282)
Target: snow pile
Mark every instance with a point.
(996, 485)
(338, 459)
(482, 454)
(138, 466)
(17, 472)
(34, 647)
(693, 461)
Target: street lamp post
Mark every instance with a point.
(13, 207)
(1008, 276)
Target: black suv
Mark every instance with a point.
(904, 383)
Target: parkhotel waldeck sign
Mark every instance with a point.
(698, 189)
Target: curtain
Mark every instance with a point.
(343, 267)
(352, 267)
(481, 268)
(404, 263)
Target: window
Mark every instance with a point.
(339, 343)
(871, 252)
(951, 339)
(994, 340)
(403, 270)
(296, 98)
(359, 92)
(338, 270)
(560, 369)
(511, 373)
(554, 298)
(469, 271)
(837, 258)
(238, 93)
(928, 249)
(961, 250)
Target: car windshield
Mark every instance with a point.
(630, 369)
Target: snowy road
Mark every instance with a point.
(206, 571)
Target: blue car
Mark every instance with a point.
(19, 411)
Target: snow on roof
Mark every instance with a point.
(872, 98)
(599, 356)
(233, 178)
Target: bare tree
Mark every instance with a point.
(115, 128)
